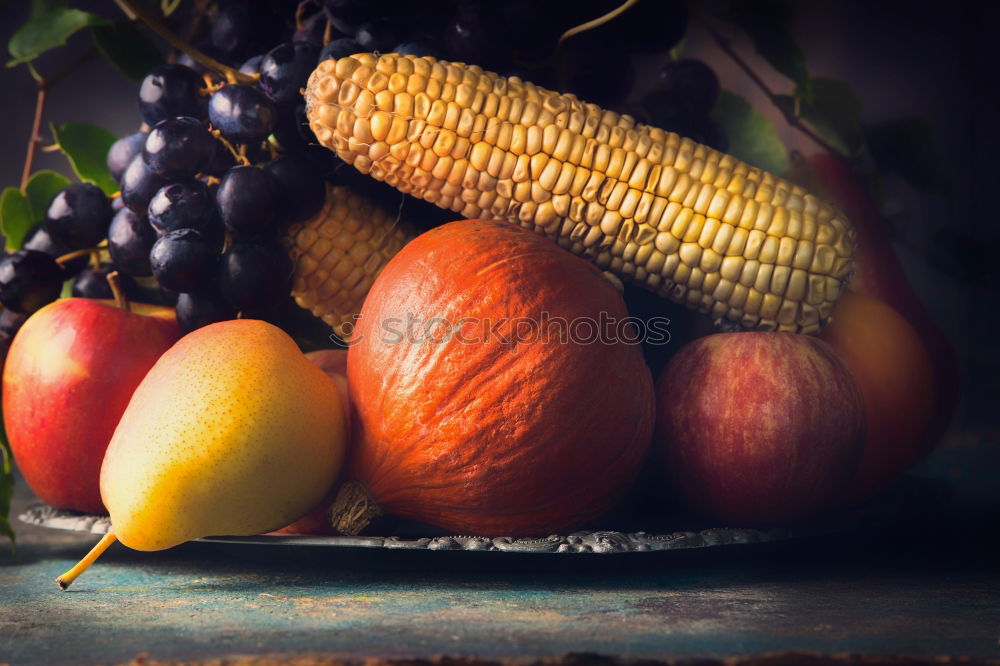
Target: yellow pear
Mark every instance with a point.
(232, 432)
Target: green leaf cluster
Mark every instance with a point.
(19, 211)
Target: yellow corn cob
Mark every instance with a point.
(687, 222)
(338, 252)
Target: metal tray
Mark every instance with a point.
(602, 541)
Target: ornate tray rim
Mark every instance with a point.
(599, 542)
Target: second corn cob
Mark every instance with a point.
(681, 219)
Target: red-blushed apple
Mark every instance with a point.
(69, 374)
(317, 522)
(896, 377)
(758, 429)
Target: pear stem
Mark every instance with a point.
(121, 300)
(65, 580)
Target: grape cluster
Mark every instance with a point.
(218, 168)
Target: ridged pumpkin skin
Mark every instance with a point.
(474, 433)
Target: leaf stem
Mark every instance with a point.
(134, 10)
(727, 47)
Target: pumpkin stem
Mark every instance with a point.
(354, 509)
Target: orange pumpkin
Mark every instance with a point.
(473, 411)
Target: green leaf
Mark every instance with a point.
(834, 113)
(908, 147)
(39, 7)
(768, 23)
(752, 137)
(130, 51)
(67, 288)
(16, 217)
(86, 147)
(41, 187)
(6, 486)
(47, 31)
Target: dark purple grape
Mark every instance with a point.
(130, 238)
(340, 48)
(178, 147)
(39, 239)
(285, 70)
(117, 204)
(246, 200)
(252, 64)
(471, 36)
(29, 280)
(10, 322)
(93, 283)
(183, 260)
(692, 83)
(202, 309)
(242, 113)
(312, 31)
(254, 277)
(244, 27)
(169, 91)
(139, 184)
(292, 130)
(299, 186)
(420, 45)
(379, 35)
(183, 205)
(348, 15)
(78, 216)
(122, 151)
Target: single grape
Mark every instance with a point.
(420, 45)
(292, 130)
(130, 238)
(252, 64)
(312, 31)
(178, 147)
(254, 277)
(299, 186)
(10, 322)
(285, 70)
(340, 48)
(139, 184)
(242, 113)
(122, 151)
(245, 27)
(182, 205)
(93, 283)
(692, 83)
(202, 309)
(29, 280)
(183, 260)
(378, 35)
(39, 239)
(171, 90)
(246, 200)
(470, 37)
(78, 216)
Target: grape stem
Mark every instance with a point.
(133, 10)
(121, 300)
(87, 251)
(791, 117)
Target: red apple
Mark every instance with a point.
(896, 377)
(69, 374)
(317, 522)
(758, 428)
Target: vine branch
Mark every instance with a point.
(727, 47)
(133, 10)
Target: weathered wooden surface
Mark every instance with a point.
(921, 590)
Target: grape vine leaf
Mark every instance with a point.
(41, 187)
(6, 486)
(127, 48)
(833, 112)
(16, 217)
(752, 137)
(47, 31)
(768, 23)
(86, 147)
(908, 147)
(39, 7)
